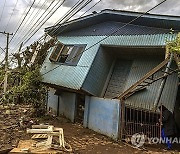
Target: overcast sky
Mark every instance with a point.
(12, 13)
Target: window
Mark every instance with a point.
(69, 54)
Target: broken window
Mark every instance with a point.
(69, 54)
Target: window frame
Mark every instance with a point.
(57, 57)
(56, 60)
(75, 63)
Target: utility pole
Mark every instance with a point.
(6, 62)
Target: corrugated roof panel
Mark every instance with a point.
(160, 21)
(110, 26)
(145, 99)
(139, 40)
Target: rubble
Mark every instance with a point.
(45, 135)
(12, 127)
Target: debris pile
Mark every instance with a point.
(14, 119)
(44, 141)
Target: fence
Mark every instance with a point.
(140, 121)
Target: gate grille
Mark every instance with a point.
(140, 121)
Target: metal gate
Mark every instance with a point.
(139, 121)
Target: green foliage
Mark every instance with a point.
(174, 46)
(30, 90)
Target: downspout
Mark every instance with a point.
(159, 93)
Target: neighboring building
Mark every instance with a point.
(87, 68)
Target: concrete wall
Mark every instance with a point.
(52, 101)
(102, 115)
(67, 105)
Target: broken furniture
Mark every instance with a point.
(49, 131)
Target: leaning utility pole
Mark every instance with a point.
(6, 62)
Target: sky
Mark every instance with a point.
(12, 13)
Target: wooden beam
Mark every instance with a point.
(154, 70)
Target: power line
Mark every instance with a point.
(2, 49)
(90, 8)
(21, 17)
(23, 20)
(62, 18)
(30, 32)
(71, 10)
(33, 17)
(70, 15)
(11, 15)
(47, 19)
(3, 10)
(43, 18)
(109, 35)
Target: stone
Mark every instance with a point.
(8, 112)
(1, 107)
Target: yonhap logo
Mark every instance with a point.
(138, 139)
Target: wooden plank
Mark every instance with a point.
(40, 126)
(28, 144)
(150, 73)
(39, 136)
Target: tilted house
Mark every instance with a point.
(99, 56)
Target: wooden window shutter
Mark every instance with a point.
(56, 52)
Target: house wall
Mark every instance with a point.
(98, 73)
(67, 105)
(52, 101)
(102, 115)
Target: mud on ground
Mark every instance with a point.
(14, 119)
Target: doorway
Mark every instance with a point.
(80, 106)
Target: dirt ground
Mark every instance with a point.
(14, 119)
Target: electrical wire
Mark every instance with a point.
(42, 24)
(72, 14)
(11, 15)
(108, 35)
(60, 19)
(2, 49)
(33, 18)
(44, 18)
(90, 8)
(2, 10)
(22, 21)
(65, 17)
(74, 6)
(68, 17)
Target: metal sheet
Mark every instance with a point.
(150, 20)
(145, 99)
(107, 28)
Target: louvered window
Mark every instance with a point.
(68, 54)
